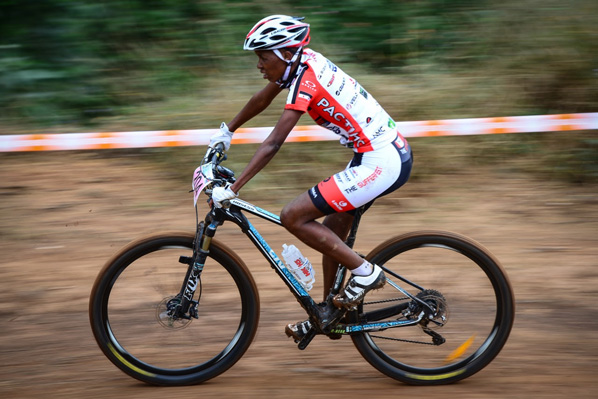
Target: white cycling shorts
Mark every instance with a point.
(368, 176)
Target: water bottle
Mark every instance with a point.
(299, 266)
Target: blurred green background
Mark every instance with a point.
(71, 66)
(69, 62)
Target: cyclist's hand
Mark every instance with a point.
(223, 136)
(220, 194)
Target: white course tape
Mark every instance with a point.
(175, 138)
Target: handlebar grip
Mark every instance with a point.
(213, 154)
(219, 147)
(218, 151)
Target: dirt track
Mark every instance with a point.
(63, 214)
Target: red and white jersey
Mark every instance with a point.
(337, 102)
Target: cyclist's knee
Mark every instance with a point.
(288, 218)
(298, 212)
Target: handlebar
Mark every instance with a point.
(215, 154)
(210, 174)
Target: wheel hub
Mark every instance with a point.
(165, 314)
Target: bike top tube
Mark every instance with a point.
(257, 211)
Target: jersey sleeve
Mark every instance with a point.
(302, 92)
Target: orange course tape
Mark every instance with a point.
(176, 138)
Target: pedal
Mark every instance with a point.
(307, 339)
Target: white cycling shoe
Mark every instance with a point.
(357, 287)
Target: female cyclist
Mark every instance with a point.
(381, 156)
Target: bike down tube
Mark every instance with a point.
(254, 236)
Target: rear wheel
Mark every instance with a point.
(129, 311)
(472, 302)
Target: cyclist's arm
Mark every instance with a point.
(269, 147)
(259, 102)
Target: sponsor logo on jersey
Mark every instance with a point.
(322, 71)
(340, 89)
(305, 96)
(332, 66)
(333, 128)
(379, 132)
(324, 104)
(331, 80)
(309, 84)
(352, 102)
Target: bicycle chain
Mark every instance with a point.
(403, 340)
(396, 339)
(386, 300)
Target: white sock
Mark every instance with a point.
(365, 269)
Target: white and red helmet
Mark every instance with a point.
(277, 32)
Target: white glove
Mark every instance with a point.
(223, 136)
(220, 194)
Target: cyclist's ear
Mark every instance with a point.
(288, 53)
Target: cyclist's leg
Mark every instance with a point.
(340, 224)
(299, 218)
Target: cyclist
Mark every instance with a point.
(381, 156)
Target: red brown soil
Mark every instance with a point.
(64, 214)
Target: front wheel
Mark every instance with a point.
(467, 321)
(130, 320)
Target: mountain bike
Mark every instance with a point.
(180, 308)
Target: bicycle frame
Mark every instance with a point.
(234, 213)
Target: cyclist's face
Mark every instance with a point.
(271, 67)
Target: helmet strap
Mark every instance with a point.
(286, 80)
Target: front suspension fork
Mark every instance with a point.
(201, 249)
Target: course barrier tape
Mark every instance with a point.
(175, 138)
